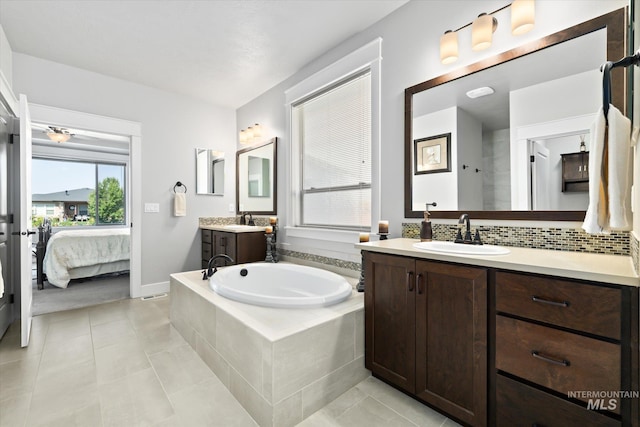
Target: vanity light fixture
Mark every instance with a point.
(483, 27)
(251, 134)
(479, 92)
(58, 135)
(449, 47)
(523, 16)
(482, 31)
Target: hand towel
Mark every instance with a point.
(180, 204)
(610, 157)
(1, 281)
(620, 167)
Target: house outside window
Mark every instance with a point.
(101, 201)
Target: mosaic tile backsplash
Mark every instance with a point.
(559, 239)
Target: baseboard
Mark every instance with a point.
(152, 289)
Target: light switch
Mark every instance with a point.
(231, 207)
(152, 207)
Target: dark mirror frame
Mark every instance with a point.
(274, 184)
(616, 25)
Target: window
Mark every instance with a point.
(86, 193)
(333, 130)
(334, 182)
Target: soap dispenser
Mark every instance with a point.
(426, 232)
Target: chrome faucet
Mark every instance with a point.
(212, 267)
(243, 219)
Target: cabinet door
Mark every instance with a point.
(390, 318)
(572, 165)
(451, 339)
(224, 243)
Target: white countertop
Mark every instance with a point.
(614, 269)
(227, 229)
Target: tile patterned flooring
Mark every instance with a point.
(123, 364)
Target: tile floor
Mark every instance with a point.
(123, 364)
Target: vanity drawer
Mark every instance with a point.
(555, 359)
(207, 236)
(520, 405)
(583, 307)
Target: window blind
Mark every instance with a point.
(333, 130)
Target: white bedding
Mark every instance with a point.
(70, 249)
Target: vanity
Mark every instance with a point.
(242, 243)
(532, 337)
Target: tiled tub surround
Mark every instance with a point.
(559, 239)
(282, 365)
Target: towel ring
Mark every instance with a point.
(179, 184)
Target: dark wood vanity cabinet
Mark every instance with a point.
(502, 348)
(241, 247)
(426, 331)
(575, 172)
(556, 336)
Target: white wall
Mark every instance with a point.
(173, 126)
(411, 55)
(469, 149)
(437, 187)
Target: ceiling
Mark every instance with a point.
(225, 52)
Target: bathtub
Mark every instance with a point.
(280, 285)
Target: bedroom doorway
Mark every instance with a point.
(98, 164)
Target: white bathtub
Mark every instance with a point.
(280, 285)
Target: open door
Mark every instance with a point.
(24, 222)
(539, 177)
(6, 312)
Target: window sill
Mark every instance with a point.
(338, 236)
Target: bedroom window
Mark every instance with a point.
(78, 193)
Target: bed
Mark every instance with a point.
(76, 254)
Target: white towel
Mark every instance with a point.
(609, 209)
(180, 204)
(1, 281)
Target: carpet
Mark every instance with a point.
(80, 293)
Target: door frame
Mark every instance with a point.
(133, 130)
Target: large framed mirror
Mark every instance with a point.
(209, 172)
(545, 96)
(256, 186)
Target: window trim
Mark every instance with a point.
(368, 57)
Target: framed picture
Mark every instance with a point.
(432, 154)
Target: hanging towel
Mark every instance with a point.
(1, 281)
(609, 174)
(180, 204)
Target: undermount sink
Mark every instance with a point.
(242, 227)
(461, 249)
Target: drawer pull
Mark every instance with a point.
(546, 301)
(555, 361)
(410, 281)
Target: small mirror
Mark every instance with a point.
(256, 179)
(209, 172)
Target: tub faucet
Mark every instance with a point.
(464, 219)
(243, 219)
(212, 267)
